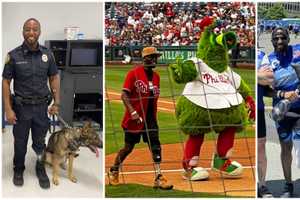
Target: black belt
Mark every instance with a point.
(31, 101)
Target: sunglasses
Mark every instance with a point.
(153, 56)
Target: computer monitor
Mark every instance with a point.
(84, 57)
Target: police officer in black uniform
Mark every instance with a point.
(30, 66)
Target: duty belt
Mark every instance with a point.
(31, 101)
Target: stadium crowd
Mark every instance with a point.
(175, 24)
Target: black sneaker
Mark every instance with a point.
(263, 192)
(42, 175)
(18, 179)
(288, 190)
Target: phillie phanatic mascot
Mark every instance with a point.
(215, 98)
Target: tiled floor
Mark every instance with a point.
(87, 169)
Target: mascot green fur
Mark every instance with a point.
(214, 99)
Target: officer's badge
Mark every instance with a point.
(44, 58)
(7, 59)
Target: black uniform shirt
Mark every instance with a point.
(30, 71)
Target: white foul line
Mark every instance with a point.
(169, 170)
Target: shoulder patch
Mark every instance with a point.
(7, 59)
(44, 58)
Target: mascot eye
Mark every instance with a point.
(230, 41)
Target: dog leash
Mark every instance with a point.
(74, 144)
(62, 121)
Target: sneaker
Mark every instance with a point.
(162, 183)
(263, 192)
(18, 179)
(195, 174)
(113, 177)
(288, 190)
(42, 175)
(227, 167)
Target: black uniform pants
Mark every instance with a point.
(34, 118)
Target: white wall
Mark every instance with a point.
(53, 18)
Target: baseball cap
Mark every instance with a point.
(150, 51)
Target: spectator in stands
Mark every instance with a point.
(177, 21)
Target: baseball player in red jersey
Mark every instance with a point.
(140, 94)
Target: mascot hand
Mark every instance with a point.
(176, 69)
(177, 66)
(251, 106)
(183, 71)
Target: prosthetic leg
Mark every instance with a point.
(296, 142)
(221, 162)
(160, 182)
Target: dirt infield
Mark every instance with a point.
(164, 105)
(138, 169)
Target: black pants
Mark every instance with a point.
(261, 124)
(150, 136)
(32, 117)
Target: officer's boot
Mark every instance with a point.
(18, 179)
(42, 175)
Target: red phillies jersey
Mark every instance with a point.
(137, 84)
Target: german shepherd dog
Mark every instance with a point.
(63, 146)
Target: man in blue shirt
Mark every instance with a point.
(285, 83)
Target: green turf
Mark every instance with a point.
(114, 78)
(249, 77)
(146, 191)
(169, 132)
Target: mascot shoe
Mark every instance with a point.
(195, 174)
(228, 168)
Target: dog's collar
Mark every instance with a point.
(74, 144)
(81, 142)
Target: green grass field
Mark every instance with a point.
(146, 191)
(114, 77)
(169, 132)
